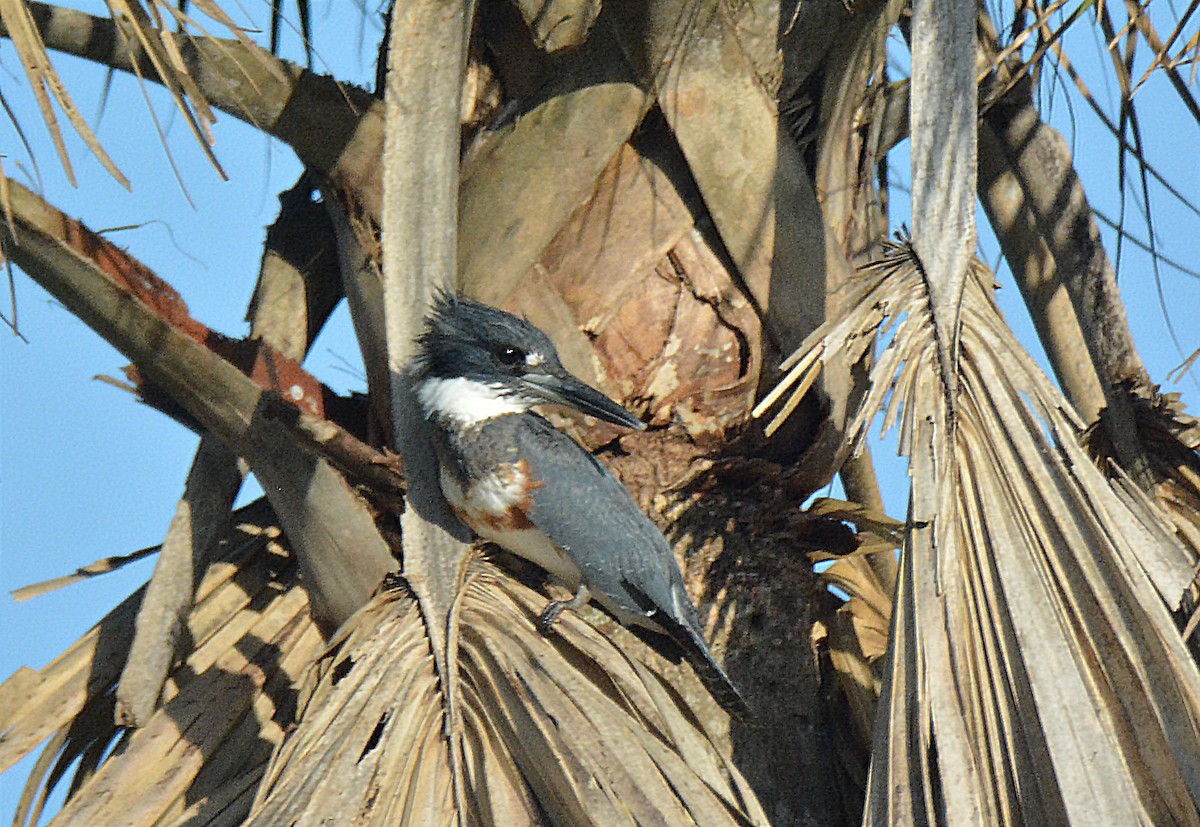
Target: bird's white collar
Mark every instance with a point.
(467, 402)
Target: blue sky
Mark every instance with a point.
(86, 472)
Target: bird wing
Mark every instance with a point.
(588, 513)
(624, 558)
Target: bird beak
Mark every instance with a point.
(566, 390)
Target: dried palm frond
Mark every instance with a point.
(143, 39)
(427, 47)
(568, 729)
(199, 757)
(855, 636)
(1035, 671)
(1051, 240)
(17, 20)
(105, 565)
(1172, 437)
(856, 639)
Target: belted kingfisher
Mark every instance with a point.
(517, 481)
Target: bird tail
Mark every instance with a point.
(684, 628)
(715, 679)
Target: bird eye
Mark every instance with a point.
(510, 356)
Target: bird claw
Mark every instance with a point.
(545, 621)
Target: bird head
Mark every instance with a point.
(476, 362)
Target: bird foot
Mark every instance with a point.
(545, 621)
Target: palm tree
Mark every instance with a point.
(689, 197)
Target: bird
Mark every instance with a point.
(519, 482)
